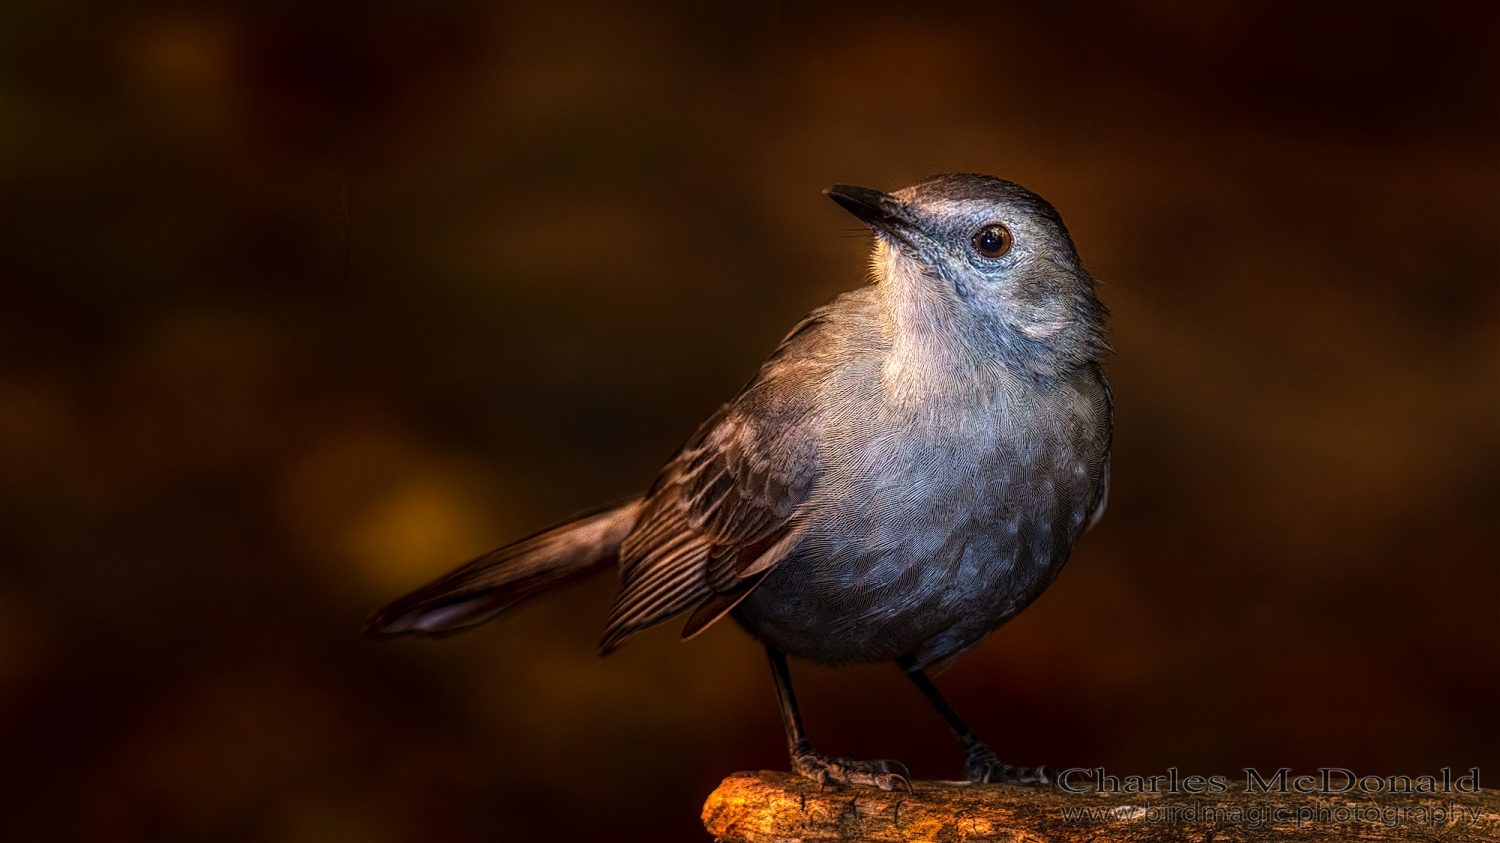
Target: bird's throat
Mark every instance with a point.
(932, 349)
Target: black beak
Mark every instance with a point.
(877, 210)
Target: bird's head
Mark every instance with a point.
(983, 263)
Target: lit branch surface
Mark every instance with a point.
(776, 807)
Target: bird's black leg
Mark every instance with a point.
(807, 761)
(980, 762)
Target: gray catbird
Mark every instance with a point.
(908, 470)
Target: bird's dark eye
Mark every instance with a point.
(992, 241)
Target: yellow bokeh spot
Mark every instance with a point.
(393, 512)
(416, 531)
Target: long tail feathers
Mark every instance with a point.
(502, 578)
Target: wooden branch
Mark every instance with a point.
(774, 807)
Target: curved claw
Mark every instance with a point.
(905, 770)
(983, 767)
(894, 779)
(824, 770)
(1044, 774)
(1000, 773)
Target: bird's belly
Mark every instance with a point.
(919, 566)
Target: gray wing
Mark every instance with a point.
(724, 510)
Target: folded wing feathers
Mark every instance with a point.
(730, 493)
(666, 563)
(669, 582)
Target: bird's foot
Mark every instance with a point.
(826, 769)
(981, 766)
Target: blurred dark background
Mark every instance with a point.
(235, 417)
